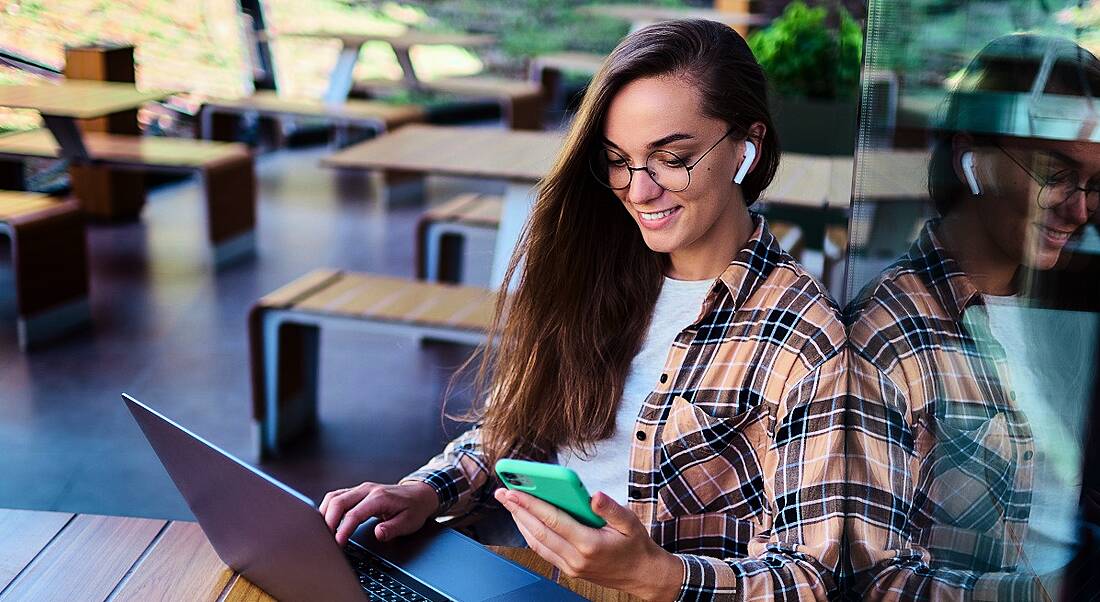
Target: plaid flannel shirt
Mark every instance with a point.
(737, 460)
(939, 456)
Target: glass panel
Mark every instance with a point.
(972, 290)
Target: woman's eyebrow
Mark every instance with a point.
(1063, 159)
(656, 143)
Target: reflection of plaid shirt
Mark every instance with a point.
(940, 458)
(737, 460)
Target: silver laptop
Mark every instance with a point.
(277, 539)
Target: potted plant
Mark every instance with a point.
(812, 62)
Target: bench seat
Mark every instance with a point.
(50, 264)
(522, 101)
(227, 172)
(453, 238)
(284, 332)
(376, 116)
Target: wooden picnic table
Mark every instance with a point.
(66, 556)
(492, 153)
(640, 15)
(340, 79)
(519, 158)
(64, 102)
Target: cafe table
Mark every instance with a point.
(640, 15)
(63, 103)
(66, 556)
(340, 78)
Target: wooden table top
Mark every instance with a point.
(79, 99)
(645, 13)
(820, 181)
(65, 556)
(404, 40)
(493, 153)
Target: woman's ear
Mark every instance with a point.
(962, 160)
(750, 154)
(747, 161)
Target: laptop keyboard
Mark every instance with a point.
(380, 581)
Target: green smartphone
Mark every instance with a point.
(551, 483)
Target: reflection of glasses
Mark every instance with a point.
(1060, 186)
(665, 168)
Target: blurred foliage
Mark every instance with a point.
(527, 28)
(927, 42)
(804, 56)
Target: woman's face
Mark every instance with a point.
(1027, 223)
(663, 113)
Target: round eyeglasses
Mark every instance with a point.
(1059, 187)
(665, 168)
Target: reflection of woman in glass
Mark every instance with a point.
(947, 439)
(662, 345)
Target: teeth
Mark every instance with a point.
(658, 215)
(1055, 234)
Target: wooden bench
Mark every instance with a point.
(457, 238)
(378, 117)
(227, 172)
(284, 333)
(521, 102)
(50, 265)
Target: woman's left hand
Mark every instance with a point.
(620, 555)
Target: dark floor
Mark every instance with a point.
(171, 331)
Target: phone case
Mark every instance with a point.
(555, 484)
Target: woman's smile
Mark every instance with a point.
(656, 220)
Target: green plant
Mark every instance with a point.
(804, 57)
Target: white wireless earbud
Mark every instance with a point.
(746, 162)
(967, 161)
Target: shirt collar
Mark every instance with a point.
(942, 276)
(752, 265)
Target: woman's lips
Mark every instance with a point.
(655, 220)
(1053, 237)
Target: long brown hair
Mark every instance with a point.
(561, 345)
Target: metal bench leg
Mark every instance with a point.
(290, 367)
(231, 210)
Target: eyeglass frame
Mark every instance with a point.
(1049, 181)
(631, 170)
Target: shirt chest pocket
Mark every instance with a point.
(969, 474)
(710, 464)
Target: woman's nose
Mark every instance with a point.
(643, 188)
(1075, 208)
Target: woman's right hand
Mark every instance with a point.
(401, 509)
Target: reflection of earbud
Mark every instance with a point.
(967, 161)
(746, 162)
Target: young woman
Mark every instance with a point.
(662, 345)
(970, 400)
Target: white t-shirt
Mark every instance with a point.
(608, 468)
(1049, 356)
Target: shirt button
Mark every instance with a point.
(1012, 395)
(1028, 454)
(640, 435)
(664, 378)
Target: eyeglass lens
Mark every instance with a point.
(666, 169)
